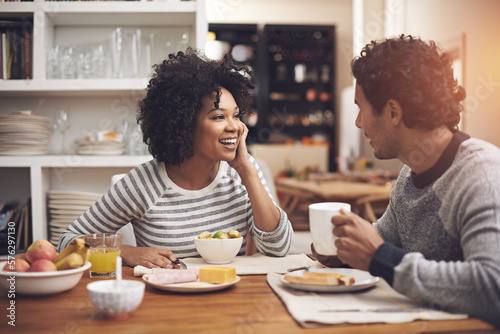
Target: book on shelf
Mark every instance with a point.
(15, 224)
(16, 48)
(1, 57)
(5, 52)
(16, 64)
(27, 51)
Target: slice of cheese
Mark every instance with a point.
(217, 275)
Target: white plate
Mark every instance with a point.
(87, 203)
(190, 287)
(56, 230)
(28, 151)
(63, 207)
(74, 194)
(56, 223)
(363, 280)
(70, 218)
(99, 152)
(91, 199)
(67, 212)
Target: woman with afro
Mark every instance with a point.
(201, 178)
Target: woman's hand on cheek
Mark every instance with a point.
(242, 157)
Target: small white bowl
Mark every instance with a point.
(218, 251)
(41, 283)
(116, 302)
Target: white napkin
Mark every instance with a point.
(379, 304)
(258, 263)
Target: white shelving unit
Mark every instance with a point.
(91, 101)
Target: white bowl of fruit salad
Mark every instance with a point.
(220, 247)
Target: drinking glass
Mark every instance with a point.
(99, 69)
(53, 63)
(62, 125)
(68, 63)
(104, 249)
(84, 64)
(116, 41)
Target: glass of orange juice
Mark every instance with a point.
(104, 249)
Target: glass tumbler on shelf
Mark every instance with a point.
(131, 51)
(68, 63)
(53, 63)
(99, 68)
(146, 62)
(116, 45)
(84, 65)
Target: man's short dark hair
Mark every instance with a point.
(417, 75)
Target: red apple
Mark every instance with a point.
(22, 257)
(19, 266)
(42, 265)
(41, 250)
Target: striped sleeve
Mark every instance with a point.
(279, 241)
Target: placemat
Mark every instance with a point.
(379, 304)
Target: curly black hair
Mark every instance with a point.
(169, 111)
(416, 74)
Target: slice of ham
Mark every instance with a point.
(141, 270)
(171, 276)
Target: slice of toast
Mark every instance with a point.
(320, 279)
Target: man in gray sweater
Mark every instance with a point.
(439, 239)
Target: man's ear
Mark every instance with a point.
(394, 110)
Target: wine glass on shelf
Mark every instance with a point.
(62, 125)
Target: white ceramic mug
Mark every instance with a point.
(320, 224)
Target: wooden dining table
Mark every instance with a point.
(296, 192)
(250, 306)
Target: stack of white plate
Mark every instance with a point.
(100, 148)
(64, 207)
(24, 134)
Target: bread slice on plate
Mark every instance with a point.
(321, 279)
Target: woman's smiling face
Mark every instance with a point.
(218, 131)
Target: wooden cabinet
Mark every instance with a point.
(94, 102)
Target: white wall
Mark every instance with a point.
(479, 20)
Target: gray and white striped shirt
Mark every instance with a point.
(166, 216)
